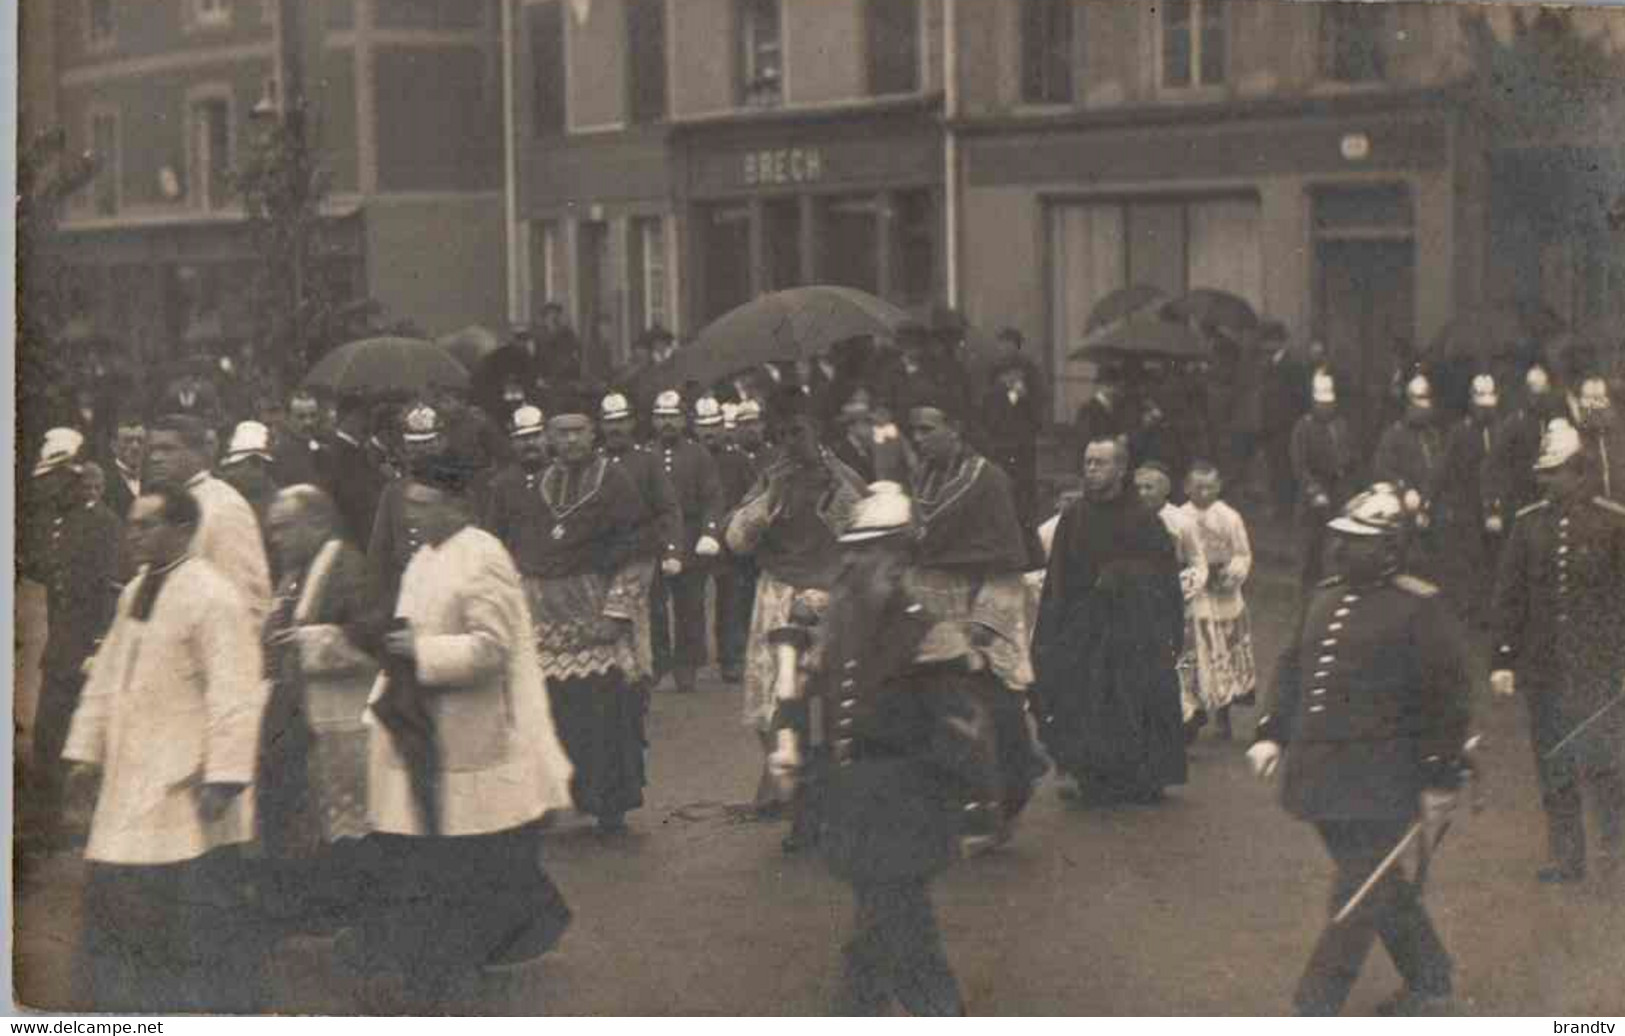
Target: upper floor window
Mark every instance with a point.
(547, 68)
(1046, 51)
(1194, 43)
(100, 28)
(428, 14)
(1351, 42)
(761, 58)
(104, 146)
(646, 49)
(209, 133)
(209, 13)
(893, 34)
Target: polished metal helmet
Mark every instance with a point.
(1378, 511)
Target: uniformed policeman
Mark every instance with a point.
(394, 540)
(693, 475)
(888, 806)
(73, 551)
(1560, 639)
(522, 477)
(1370, 712)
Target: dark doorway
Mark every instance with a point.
(1365, 308)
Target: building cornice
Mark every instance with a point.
(1141, 116)
(92, 73)
(830, 111)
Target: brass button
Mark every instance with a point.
(1317, 708)
(1327, 659)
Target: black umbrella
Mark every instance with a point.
(1210, 309)
(387, 366)
(781, 327)
(470, 345)
(1123, 303)
(1144, 335)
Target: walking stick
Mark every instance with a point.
(1377, 875)
(1577, 731)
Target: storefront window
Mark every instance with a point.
(782, 236)
(726, 274)
(848, 236)
(648, 276)
(914, 247)
(546, 270)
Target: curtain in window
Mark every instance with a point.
(1086, 262)
(1223, 248)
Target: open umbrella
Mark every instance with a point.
(1213, 310)
(1143, 335)
(470, 345)
(1122, 303)
(1495, 331)
(387, 366)
(781, 327)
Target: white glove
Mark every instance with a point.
(1493, 524)
(708, 547)
(1502, 684)
(672, 567)
(1264, 756)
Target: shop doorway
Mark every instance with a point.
(1365, 310)
(599, 330)
(725, 266)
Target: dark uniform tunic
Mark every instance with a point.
(889, 807)
(392, 543)
(1560, 627)
(1466, 493)
(1370, 704)
(355, 482)
(1323, 465)
(693, 475)
(76, 558)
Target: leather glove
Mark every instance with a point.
(1502, 683)
(672, 567)
(1493, 524)
(1264, 757)
(707, 547)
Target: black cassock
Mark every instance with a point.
(1109, 627)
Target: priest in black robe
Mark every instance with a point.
(1110, 624)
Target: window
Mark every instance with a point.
(1193, 43)
(849, 242)
(914, 247)
(428, 14)
(210, 13)
(104, 145)
(546, 271)
(1175, 245)
(1046, 51)
(893, 33)
(646, 46)
(649, 273)
(100, 28)
(1351, 42)
(761, 65)
(547, 68)
(210, 142)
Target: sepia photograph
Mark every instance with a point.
(790, 508)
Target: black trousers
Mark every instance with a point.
(896, 951)
(681, 646)
(58, 697)
(1392, 911)
(170, 938)
(736, 597)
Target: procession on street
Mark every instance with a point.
(993, 522)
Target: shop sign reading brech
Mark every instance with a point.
(773, 167)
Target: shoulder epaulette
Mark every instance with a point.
(1415, 586)
(1612, 506)
(1330, 581)
(1531, 508)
